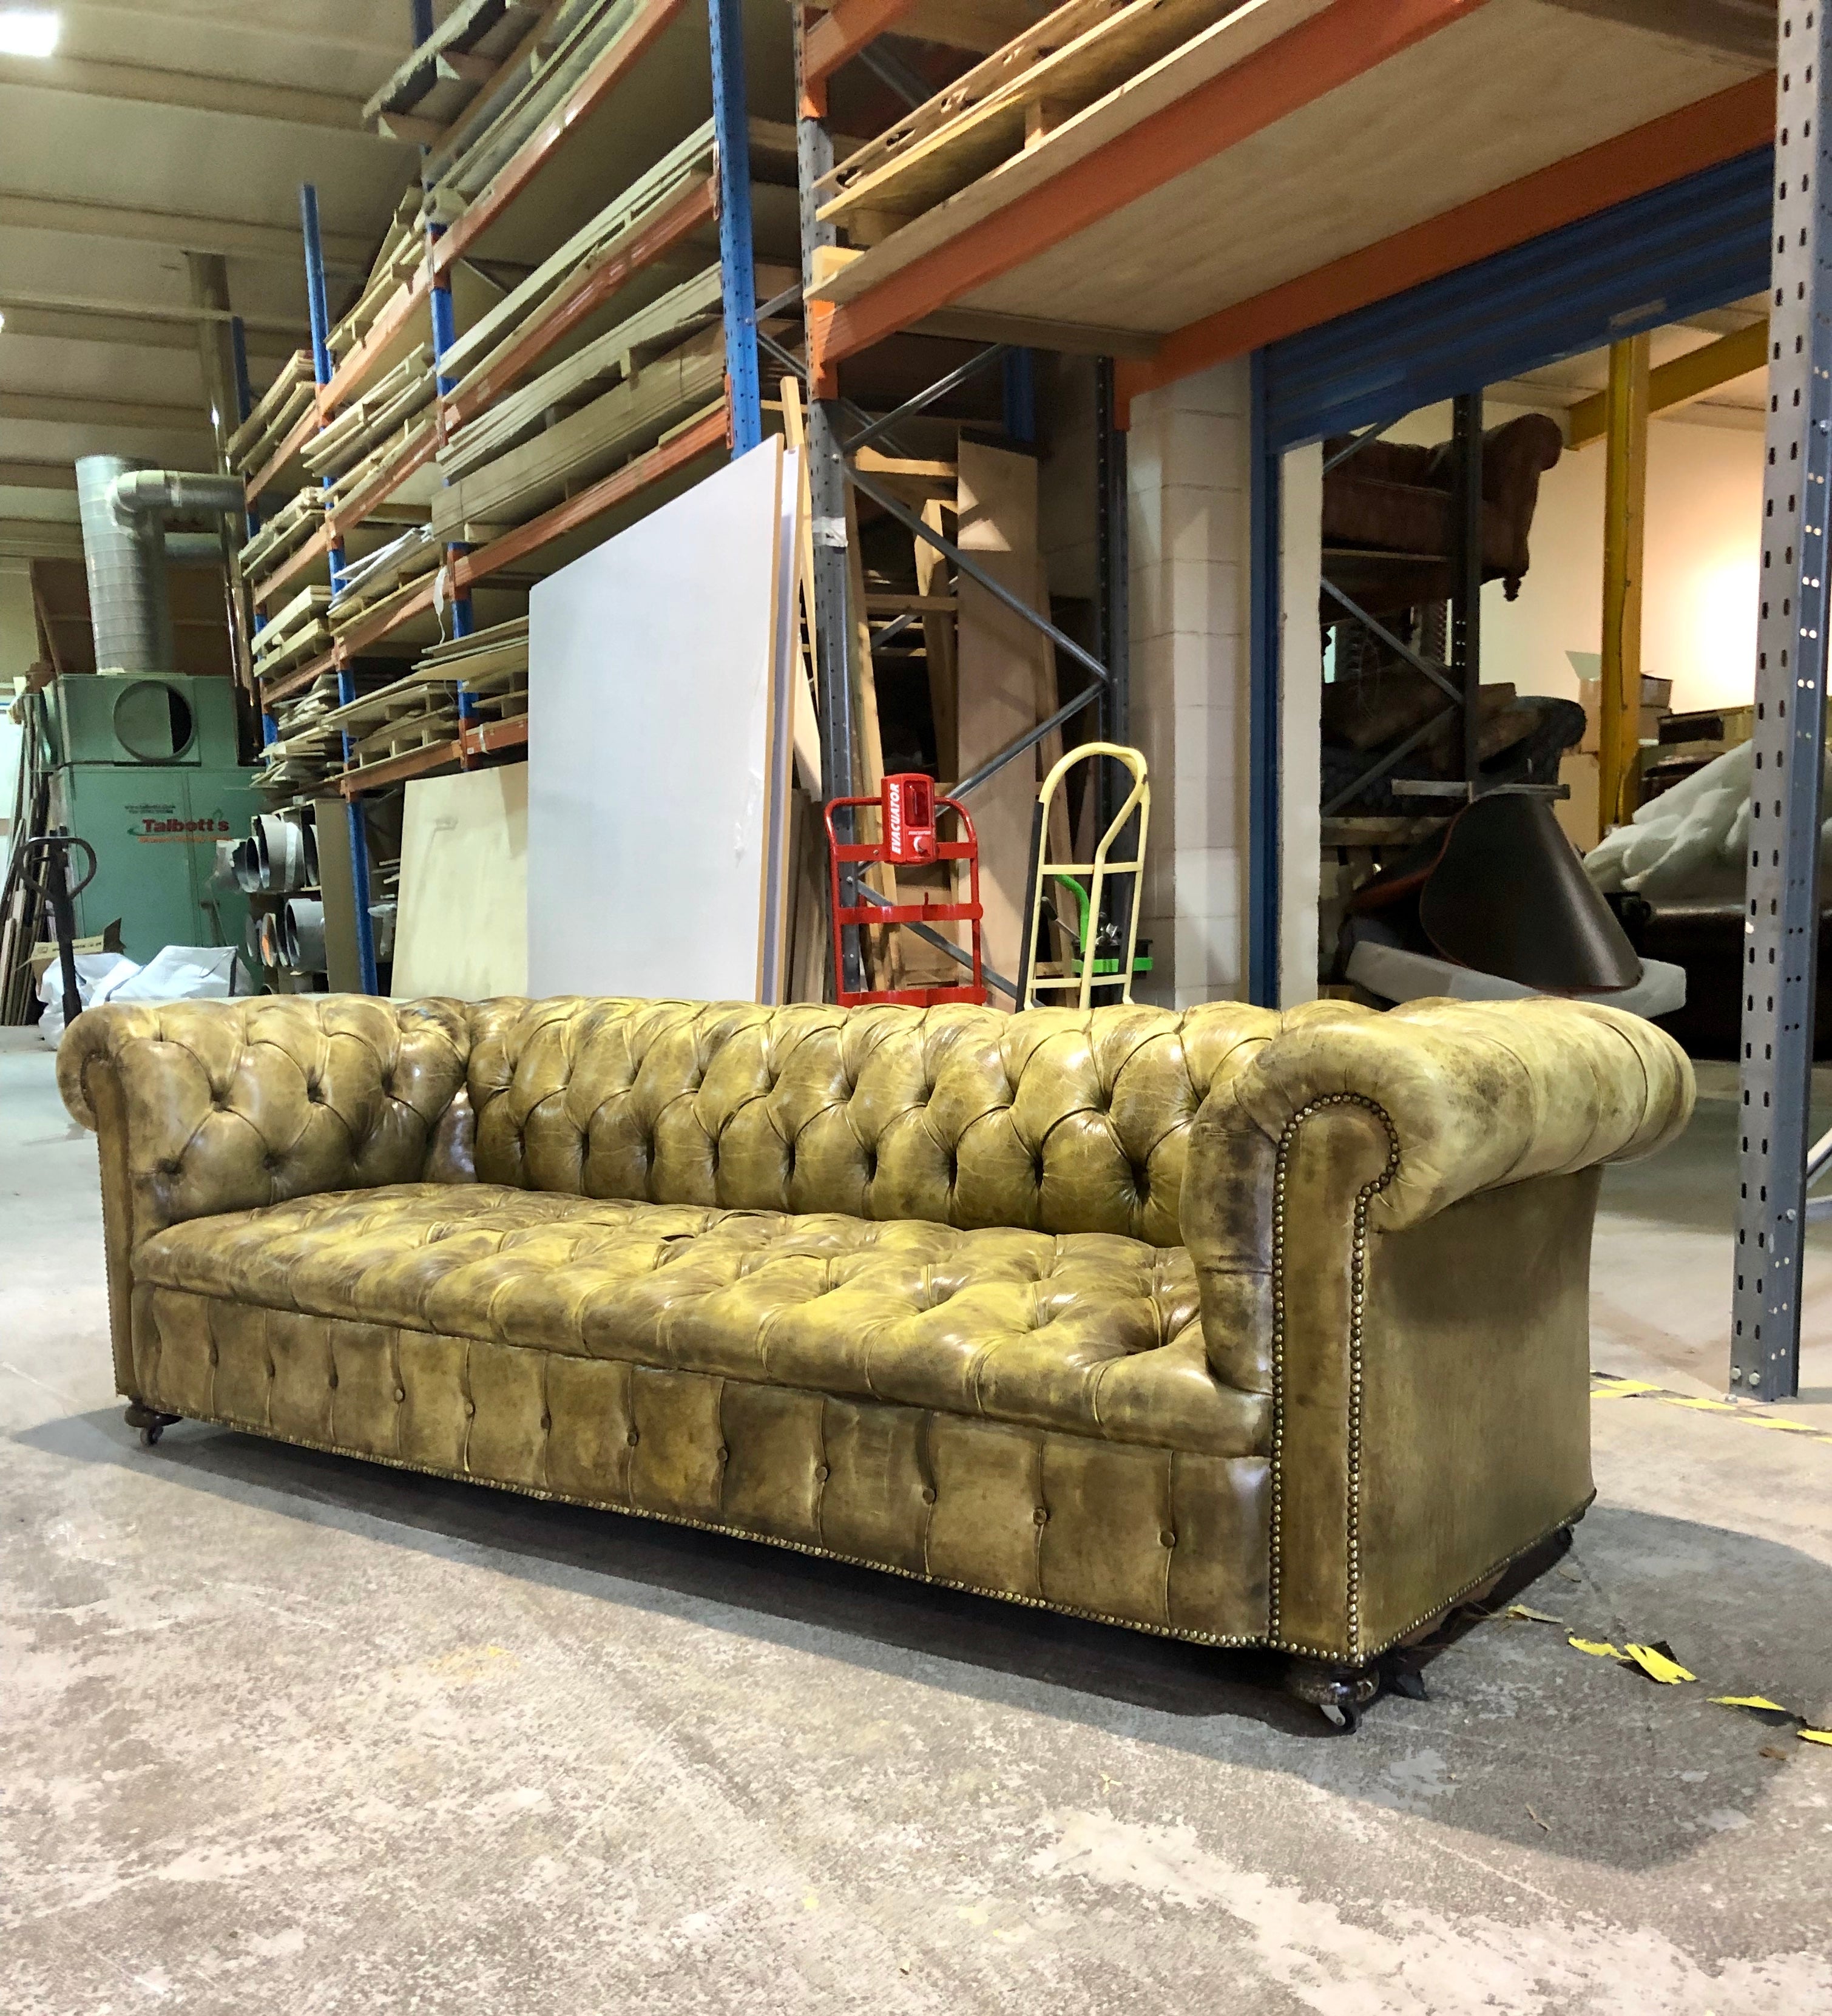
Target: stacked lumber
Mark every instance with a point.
(1008, 104)
(295, 522)
(403, 248)
(481, 48)
(632, 416)
(491, 666)
(277, 411)
(382, 411)
(392, 721)
(561, 278)
(579, 32)
(293, 633)
(614, 358)
(364, 584)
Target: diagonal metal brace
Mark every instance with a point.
(1433, 672)
(867, 894)
(1396, 755)
(983, 361)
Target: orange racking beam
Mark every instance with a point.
(1697, 136)
(297, 436)
(650, 19)
(1332, 48)
(484, 739)
(351, 372)
(837, 37)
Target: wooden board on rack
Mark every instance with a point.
(629, 417)
(1006, 668)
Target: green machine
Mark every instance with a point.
(147, 773)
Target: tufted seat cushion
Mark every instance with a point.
(1087, 1334)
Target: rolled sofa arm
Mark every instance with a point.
(1390, 1215)
(207, 1106)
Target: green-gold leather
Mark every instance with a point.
(1248, 1327)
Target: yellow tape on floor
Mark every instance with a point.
(1605, 1386)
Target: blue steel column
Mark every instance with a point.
(444, 335)
(731, 126)
(1781, 923)
(321, 369)
(1263, 735)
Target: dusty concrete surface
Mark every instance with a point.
(281, 1732)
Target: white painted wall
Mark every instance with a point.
(1187, 472)
(1705, 496)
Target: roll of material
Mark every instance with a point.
(245, 865)
(269, 940)
(303, 930)
(279, 845)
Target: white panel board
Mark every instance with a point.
(462, 928)
(650, 703)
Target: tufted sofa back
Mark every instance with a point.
(1053, 1119)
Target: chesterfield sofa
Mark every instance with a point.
(1250, 1329)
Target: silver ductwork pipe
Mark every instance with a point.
(124, 505)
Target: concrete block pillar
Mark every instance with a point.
(1189, 472)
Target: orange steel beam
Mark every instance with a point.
(355, 367)
(386, 483)
(1331, 49)
(284, 685)
(690, 209)
(297, 436)
(603, 495)
(483, 741)
(837, 37)
(1697, 136)
(521, 167)
(262, 592)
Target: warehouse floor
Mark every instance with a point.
(284, 1732)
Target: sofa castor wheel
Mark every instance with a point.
(151, 1424)
(1340, 1692)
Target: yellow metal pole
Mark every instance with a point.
(1625, 515)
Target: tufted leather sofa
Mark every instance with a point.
(1250, 1329)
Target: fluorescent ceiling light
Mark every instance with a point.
(29, 31)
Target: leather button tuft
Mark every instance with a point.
(470, 1407)
(213, 1359)
(928, 1494)
(546, 1423)
(820, 1473)
(1041, 1515)
(1167, 1539)
(632, 1439)
(399, 1393)
(333, 1380)
(723, 1455)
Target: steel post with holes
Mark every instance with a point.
(1466, 573)
(731, 128)
(1781, 925)
(1265, 698)
(321, 362)
(826, 479)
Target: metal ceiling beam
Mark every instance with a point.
(40, 539)
(137, 331)
(195, 90)
(64, 410)
(293, 332)
(38, 476)
(234, 237)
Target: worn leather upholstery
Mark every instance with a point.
(1161, 1318)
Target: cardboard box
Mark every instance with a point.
(1579, 816)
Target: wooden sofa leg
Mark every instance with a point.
(151, 1424)
(1342, 1692)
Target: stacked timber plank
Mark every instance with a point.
(277, 411)
(372, 422)
(481, 50)
(395, 720)
(398, 566)
(294, 523)
(1005, 105)
(491, 666)
(403, 249)
(296, 631)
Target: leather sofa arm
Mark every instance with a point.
(218, 1106)
(1390, 1216)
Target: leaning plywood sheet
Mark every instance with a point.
(462, 929)
(652, 671)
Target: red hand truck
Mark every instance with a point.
(907, 810)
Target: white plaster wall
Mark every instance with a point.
(1702, 560)
(1187, 471)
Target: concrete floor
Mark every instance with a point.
(281, 1732)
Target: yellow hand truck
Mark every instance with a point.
(1103, 953)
